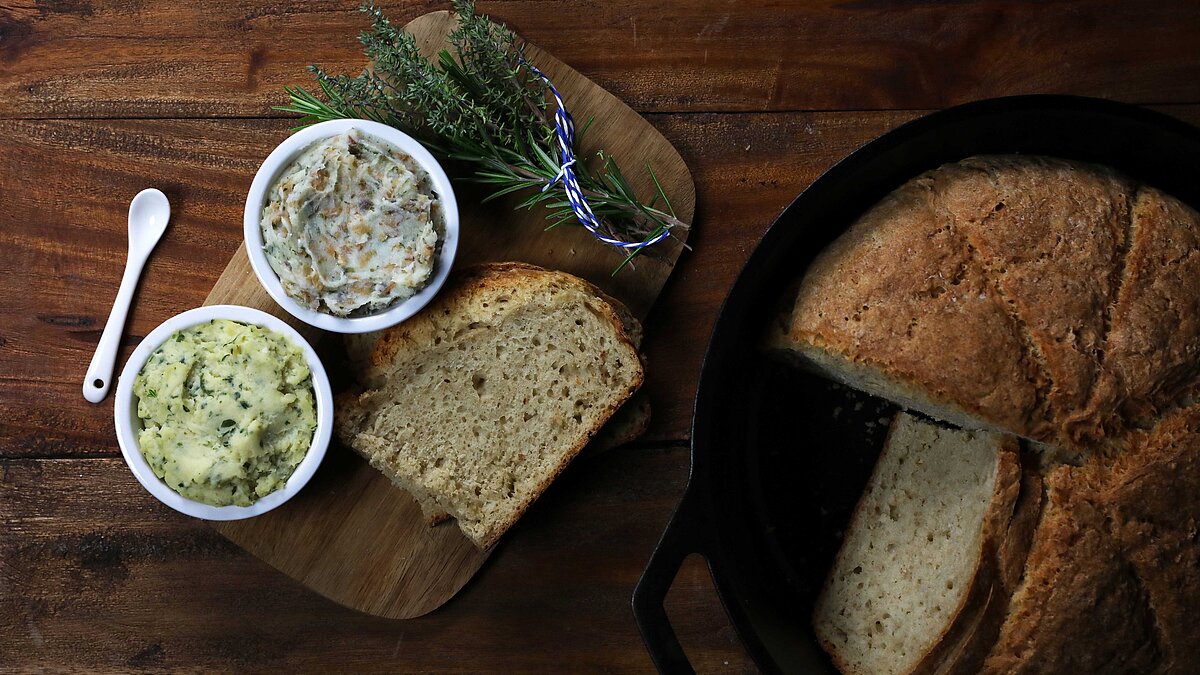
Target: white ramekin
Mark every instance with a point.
(128, 424)
(288, 151)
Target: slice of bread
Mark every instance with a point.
(969, 640)
(919, 561)
(626, 425)
(477, 403)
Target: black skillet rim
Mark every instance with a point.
(697, 525)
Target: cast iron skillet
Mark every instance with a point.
(780, 457)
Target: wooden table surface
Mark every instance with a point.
(100, 98)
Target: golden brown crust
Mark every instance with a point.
(1047, 298)
(1150, 497)
(1079, 608)
(1058, 301)
(1153, 351)
(901, 292)
(1051, 235)
(475, 282)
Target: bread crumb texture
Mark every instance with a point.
(906, 568)
(482, 399)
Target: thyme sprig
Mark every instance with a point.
(483, 107)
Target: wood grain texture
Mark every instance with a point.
(97, 576)
(355, 537)
(65, 244)
(121, 58)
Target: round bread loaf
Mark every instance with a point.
(1056, 301)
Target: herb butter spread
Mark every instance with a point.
(351, 226)
(227, 412)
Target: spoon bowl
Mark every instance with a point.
(148, 215)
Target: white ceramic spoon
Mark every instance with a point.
(148, 215)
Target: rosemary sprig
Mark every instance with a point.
(483, 107)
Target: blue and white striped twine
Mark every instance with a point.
(564, 128)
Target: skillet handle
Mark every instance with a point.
(684, 535)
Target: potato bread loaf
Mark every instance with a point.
(1056, 301)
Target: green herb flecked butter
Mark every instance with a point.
(227, 412)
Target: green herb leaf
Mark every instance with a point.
(479, 104)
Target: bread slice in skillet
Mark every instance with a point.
(919, 562)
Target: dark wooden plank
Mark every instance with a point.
(156, 58)
(88, 558)
(64, 234)
(65, 226)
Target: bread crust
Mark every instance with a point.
(1153, 350)
(1079, 607)
(1065, 317)
(901, 292)
(1057, 301)
(1149, 497)
(1059, 277)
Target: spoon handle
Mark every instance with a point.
(100, 372)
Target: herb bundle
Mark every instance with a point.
(483, 106)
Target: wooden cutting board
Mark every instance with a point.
(351, 535)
